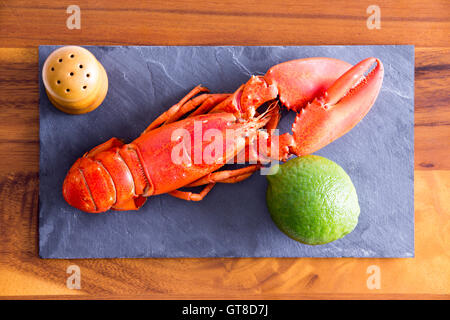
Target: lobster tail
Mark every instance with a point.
(103, 179)
(89, 187)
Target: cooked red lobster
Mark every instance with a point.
(330, 98)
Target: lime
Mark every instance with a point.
(312, 200)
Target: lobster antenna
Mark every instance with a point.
(266, 115)
(269, 110)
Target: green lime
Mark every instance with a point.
(312, 200)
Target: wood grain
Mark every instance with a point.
(22, 273)
(432, 112)
(256, 22)
(26, 25)
(19, 96)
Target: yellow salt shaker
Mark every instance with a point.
(74, 80)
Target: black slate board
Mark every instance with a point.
(233, 220)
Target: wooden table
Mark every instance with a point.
(25, 25)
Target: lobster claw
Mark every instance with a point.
(338, 109)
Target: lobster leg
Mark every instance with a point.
(210, 103)
(231, 104)
(237, 179)
(174, 109)
(188, 106)
(205, 101)
(226, 176)
(185, 195)
(220, 176)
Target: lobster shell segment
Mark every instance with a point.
(75, 190)
(120, 175)
(89, 187)
(338, 109)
